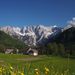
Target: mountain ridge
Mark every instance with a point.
(31, 35)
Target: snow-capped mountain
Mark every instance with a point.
(31, 35)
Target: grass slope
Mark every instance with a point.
(20, 61)
(7, 41)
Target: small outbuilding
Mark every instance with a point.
(9, 51)
(33, 52)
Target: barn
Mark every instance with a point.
(33, 52)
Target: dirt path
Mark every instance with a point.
(29, 59)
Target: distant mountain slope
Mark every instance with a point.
(64, 42)
(31, 35)
(7, 41)
(67, 36)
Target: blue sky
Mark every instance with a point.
(35, 12)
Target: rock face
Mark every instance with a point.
(31, 35)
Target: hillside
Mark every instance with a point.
(67, 36)
(63, 43)
(7, 41)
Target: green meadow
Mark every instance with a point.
(29, 64)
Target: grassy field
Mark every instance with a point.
(55, 65)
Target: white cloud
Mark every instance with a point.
(73, 18)
(72, 22)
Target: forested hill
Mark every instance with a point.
(67, 36)
(6, 41)
(64, 43)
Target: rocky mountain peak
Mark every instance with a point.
(31, 35)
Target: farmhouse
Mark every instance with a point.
(32, 52)
(9, 51)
